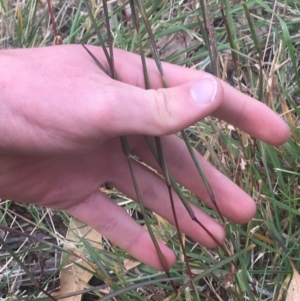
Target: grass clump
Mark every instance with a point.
(254, 46)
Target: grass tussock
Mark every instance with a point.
(254, 46)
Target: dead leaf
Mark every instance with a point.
(243, 164)
(72, 277)
(130, 264)
(293, 293)
(196, 271)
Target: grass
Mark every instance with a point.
(257, 42)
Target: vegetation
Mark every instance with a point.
(254, 45)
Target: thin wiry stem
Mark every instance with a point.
(185, 202)
(95, 59)
(203, 177)
(110, 41)
(163, 165)
(126, 151)
(212, 44)
(52, 18)
(160, 69)
(161, 161)
(102, 43)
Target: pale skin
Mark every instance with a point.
(61, 118)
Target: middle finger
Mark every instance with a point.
(155, 197)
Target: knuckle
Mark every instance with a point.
(164, 111)
(136, 241)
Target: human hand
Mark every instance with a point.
(60, 122)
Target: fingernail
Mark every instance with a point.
(205, 90)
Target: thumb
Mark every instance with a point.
(163, 111)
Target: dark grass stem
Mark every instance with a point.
(109, 40)
(160, 69)
(142, 53)
(230, 36)
(212, 44)
(57, 38)
(186, 203)
(159, 147)
(126, 14)
(126, 151)
(163, 165)
(95, 59)
(123, 139)
(152, 41)
(95, 26)
(202, 175)
(258, 50)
